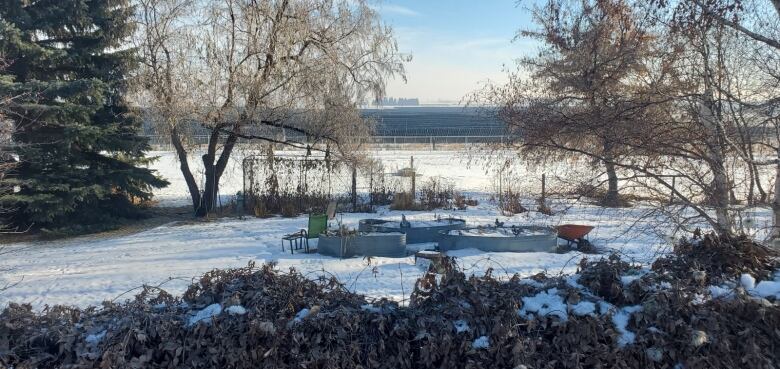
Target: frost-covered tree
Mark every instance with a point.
(241, 69)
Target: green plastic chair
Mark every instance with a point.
(318, 223)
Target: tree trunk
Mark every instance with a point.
(751, 185)
(612, 198)
(720, 197)
(181, 152)
(214, 171)
(775, 234)
(761, 192)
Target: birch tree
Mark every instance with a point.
(731, 91)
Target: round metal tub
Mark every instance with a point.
(491, 239)
(391, 244)
(419, 232)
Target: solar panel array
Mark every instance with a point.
(434, 121)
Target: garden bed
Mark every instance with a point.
(501, 239)
(418, 231)
(387, 244)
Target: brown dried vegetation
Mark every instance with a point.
(345, 330)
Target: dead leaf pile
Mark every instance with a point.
(713, 259)
(263, 318)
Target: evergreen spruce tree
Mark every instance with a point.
(81, 160)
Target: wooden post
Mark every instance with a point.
(544, 194)
(354, 187)
(414, 178)
(500, 188)
(371, 187)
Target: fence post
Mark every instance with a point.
(354, 187)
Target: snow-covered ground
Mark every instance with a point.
(88, 270)
(467, 172)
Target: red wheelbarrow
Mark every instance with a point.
(574, 234)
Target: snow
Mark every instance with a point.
(461, 326)
(768, 289)
(419, 224)
(627, 279)
(721, 291)
(620, 318)
(604, 307)
(236, 310)
(531, 282)
(763, 289)
(545, 303)
(206, 314)
(747, 281)
(495, 232)
(583, 308)
(427, 164)
(482, 342)
(88, 270)
(95, 338)
(301, 315)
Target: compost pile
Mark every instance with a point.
(713, 259)
(260, 317)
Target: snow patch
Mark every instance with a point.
(605, 307)
(747, 281)
(720, 291)
(461, 326)
(482, 342)
(301, 315)
(620, 319)
(767, 289)
(627, 279)
(236, 310)
(574, 281)
(545, 303)
(530, 282)
(206, 314)
(583, 308)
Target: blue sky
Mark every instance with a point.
(455, 44)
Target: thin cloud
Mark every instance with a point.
(395, 9)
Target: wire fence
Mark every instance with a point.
(159, 142)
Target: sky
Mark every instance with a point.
(456, 45)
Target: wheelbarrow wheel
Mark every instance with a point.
(584, 245)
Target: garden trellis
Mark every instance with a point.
(306, 182)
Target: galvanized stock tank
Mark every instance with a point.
(418, 231)
(501, 239)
